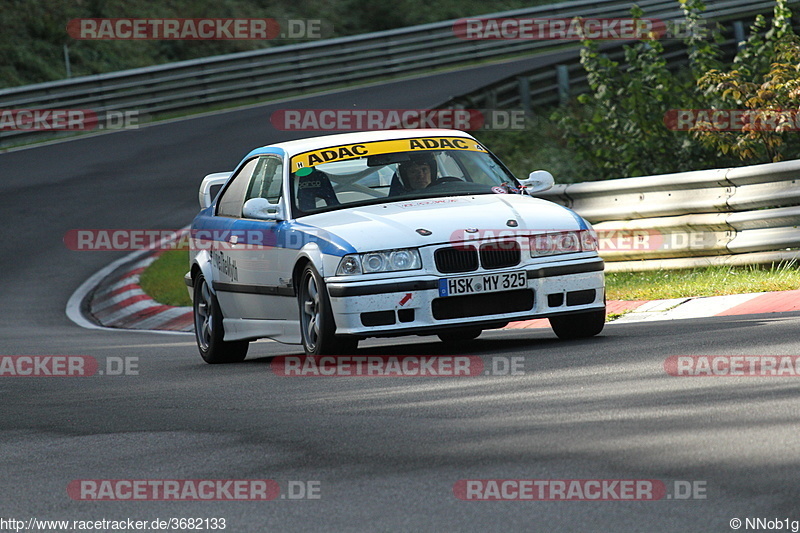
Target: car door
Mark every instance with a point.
(264, 286)
(225, 258)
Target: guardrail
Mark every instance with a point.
(312, 66)
(744, 215)
(555, 82)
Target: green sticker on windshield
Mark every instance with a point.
(305, 171)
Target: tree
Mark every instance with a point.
(620, 124)
(764, 82)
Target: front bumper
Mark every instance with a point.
(413, 304)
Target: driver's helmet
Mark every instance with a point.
(421, 158)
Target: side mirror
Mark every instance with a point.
(538, 181)
(261, 209)
(210, 187)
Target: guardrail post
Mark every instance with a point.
(738, 33)
(66, 61)
(524, 84)
(491, 99)
(562, 77)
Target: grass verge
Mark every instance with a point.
(163, 281)
(708, 281)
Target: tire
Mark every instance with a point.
(317, 325)
(208, 328)
(579, 325)
(460, 335)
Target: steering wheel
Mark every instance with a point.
(444, 179)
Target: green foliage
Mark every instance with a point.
(701, 42)
(765, 80)
(619, 125)
(34, 31)
(539, 146)
(754, 57)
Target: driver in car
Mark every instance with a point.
(418, 173)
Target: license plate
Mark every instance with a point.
(483, 283)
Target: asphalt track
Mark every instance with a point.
(386, 452)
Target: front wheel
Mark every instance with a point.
(317, 326)
(579, 325)
(208, 328)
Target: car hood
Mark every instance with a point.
(395, 224)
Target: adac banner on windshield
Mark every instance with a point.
(354, 151)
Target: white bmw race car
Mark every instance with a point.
(329, 240)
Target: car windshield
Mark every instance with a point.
(354, 175)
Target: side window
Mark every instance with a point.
(267, 180)
(230, 203)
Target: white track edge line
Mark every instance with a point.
(73, 309)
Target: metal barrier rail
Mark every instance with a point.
(744, 215)
(555, 81)
(313, 66)
(741, 215)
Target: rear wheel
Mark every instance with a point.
(317, 326)
(579, 325)
(208, 328)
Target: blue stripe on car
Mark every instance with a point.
(287, 234)
(293, 235)
(579, 219)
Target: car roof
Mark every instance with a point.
(299, 146)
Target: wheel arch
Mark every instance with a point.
(202, 264)
(297, 271)
(309, 254)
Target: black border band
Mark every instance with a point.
(253, 289)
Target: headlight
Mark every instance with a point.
(385, 261)
(588, 240)
(404, 260)
(349, 265)
(373, 263)
(563, 243)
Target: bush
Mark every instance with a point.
(764, 80)
(619, 125)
